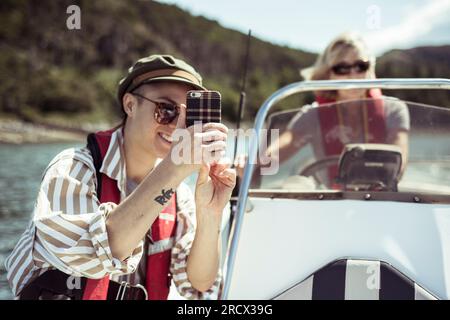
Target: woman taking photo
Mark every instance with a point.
(113, 220)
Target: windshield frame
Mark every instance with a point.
(411, 197)
(310, 86)
(302, 159)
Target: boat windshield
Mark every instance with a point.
(376, 145)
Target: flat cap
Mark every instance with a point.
(158, 68)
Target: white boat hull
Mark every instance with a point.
(283, 241)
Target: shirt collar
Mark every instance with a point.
(114, 161)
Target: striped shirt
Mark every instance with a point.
(68, 227)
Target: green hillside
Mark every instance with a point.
(421, 62)
(51, 74)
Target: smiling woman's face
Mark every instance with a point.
(150, 136)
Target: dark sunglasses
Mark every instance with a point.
(165, 112)
(344, 68)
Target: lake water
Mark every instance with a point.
(20, 173)
(22, 167)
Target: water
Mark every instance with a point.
(20, 174)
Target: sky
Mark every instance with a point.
(311, 24)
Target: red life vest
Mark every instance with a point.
(374, 125)
(158, 276)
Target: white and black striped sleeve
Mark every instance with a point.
(70, 222)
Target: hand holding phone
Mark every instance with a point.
(203, 107)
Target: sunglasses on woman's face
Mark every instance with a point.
(344, 68)
(165, 112)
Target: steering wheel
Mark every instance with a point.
(314, 168)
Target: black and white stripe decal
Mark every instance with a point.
(329, 282)
(354, 279)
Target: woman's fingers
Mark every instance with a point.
(211, 153)
(230, 174)
(214, 146)
(226, 176)
(221, 165)
(206, 146)
(215, 126)
(213, 135)
(203, 174)
(240, 161)
(239, 164)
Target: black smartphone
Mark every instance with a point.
(203, 106)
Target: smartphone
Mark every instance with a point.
(203, 106)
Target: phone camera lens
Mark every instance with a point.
(196, 94)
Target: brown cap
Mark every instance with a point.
(157, 68)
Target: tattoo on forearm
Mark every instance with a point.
(165, 196)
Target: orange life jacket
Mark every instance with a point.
(373, 121)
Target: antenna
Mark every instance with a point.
(235, 192)
(242, 95)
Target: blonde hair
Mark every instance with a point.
(333, 54)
